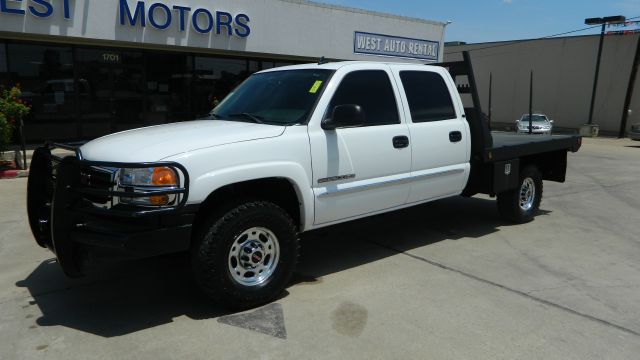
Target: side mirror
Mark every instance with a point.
(517, 121)
(551, 122)
(348, 115)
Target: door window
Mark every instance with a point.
(372, 90)
(428, 96)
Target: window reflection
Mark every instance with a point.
(46, 76)
(4, 72)
(114, 98)
(214, 79)
(86, 92)
(3, 63)
(168, 87)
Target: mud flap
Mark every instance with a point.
(63, 217)
(39, 192)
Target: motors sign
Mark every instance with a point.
(395, 46)
(204, 21)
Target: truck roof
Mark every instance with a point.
(341, 64)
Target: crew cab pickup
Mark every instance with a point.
(290, 150)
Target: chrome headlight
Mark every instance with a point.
(142, 180)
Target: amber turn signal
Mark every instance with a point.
(159, 200)
(164, 176)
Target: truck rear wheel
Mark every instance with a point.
(522, 203)
(246, 257)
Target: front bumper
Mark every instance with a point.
(534, 131)
(73, 210)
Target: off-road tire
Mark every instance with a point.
(212, 245)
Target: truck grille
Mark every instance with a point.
(100, 179)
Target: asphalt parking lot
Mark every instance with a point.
(447, 280)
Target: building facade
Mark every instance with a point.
(563, 76)
(89, 68)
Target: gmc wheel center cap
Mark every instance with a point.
(253, 255)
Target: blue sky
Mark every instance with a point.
(496, 20)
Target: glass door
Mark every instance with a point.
(111, 93)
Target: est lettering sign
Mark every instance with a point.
(159, 15)
(37, 8)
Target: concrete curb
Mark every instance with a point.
(13, 174)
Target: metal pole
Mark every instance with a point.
(630, 90)
(595, 81)
(531, 104)
(490, 95)
(23, 145)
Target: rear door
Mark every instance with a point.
(440, 139)
(360, 170)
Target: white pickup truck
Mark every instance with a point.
(290, 150)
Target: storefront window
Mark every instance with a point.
(275, 64)
(254, 66)
(214, 79)
(86, 92)
(168, 87)
(3, 65)
(46, 75)
(113, 98)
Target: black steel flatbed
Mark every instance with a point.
(511, 145)
(497, 157)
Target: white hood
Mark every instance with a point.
(160, 142)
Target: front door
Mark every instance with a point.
(360, 170)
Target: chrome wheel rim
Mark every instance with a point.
(253, 256)
(527, 194)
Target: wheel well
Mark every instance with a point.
(276, 190)
(552, 165)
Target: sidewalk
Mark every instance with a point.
(15, 173)
(19, 173)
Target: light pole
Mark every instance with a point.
(600, 21)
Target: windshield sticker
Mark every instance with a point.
(315, 87)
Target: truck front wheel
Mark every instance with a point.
(522, 203)
(246, 257)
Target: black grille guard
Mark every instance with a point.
(59, 197)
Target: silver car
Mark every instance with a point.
(541, 124)
(634, 133)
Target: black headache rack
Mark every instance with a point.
(71, 200)
(463, 76)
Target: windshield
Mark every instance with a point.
(277, 98)
(536, 118)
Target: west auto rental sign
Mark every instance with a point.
(395, 46)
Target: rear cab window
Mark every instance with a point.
(428, 96)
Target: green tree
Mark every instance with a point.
(12, 109)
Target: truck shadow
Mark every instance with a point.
(349, 245)
(124, 298)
